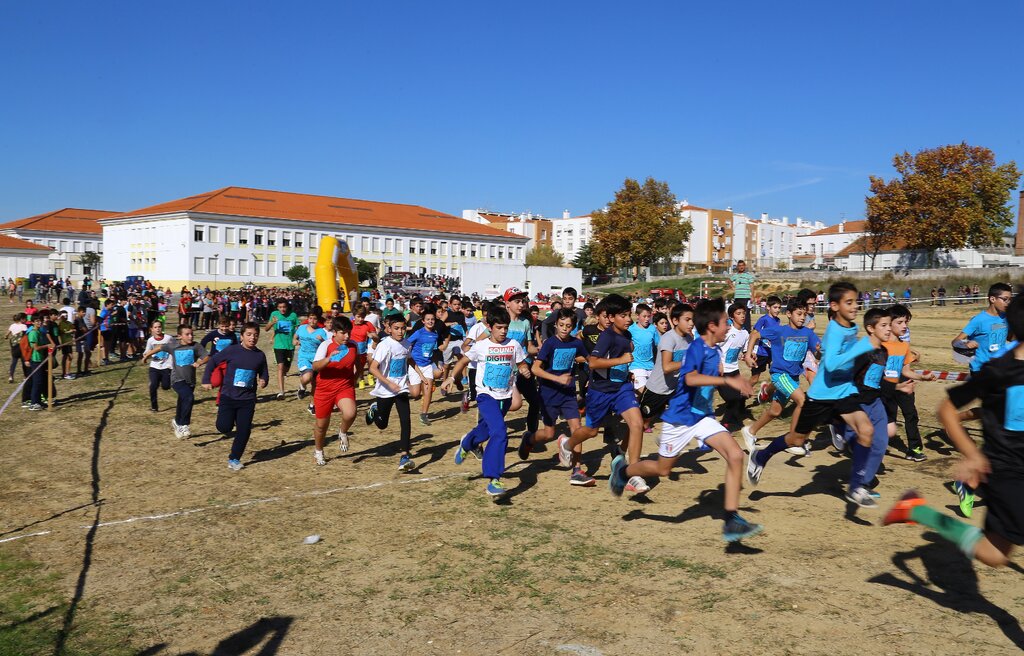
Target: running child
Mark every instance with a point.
(217, 340)
(390, 367)
(554, 368)
(185, 357)
(337, 367)
(520, 330)
(733, 349)
(763, 354)
(665, 375)
(283, 323)
(610, 391)
(362, 333)
(997, 469)
(498, 358)
(645, 343)
(790, 344)
(897, 369)
(422, 345)
(159, 365)
(246, 369)
(691, 416)
(308, 338)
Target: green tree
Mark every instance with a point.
(944, 198)
(90, 261)
(585, 260)
(366, 271)
(544, 255)
(639, 227)
(298, 273)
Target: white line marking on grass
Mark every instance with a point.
(252, 502)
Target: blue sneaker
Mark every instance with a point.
(966, 494)
(738, 528)
(405, 464)
(235, 465)
(616, 480)
(461, 453)
(371, 414)
(496, 488)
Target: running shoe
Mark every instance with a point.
(26, 404)
(311, 410)
(525, 446)
(461, 452)
(738, 528)
(763, 394)
(838, 438)
(916, 455)
(749, 438)
(900, 512)
(616, 481)
(564, 452)
(35, 407)
(861, 497)
(802, 450)
(637, 485)
(177, 428)
(465, 402)
(405, 464)
(754, 470)
(579, 478)
(235, 465)
(186, 431)
(424, 419)
(343, 442)
(301, 394)
(280, 396)
(496, 488)
(966, 494)
(478, 452)
(318, 457)
(703, 448)
(371, 414)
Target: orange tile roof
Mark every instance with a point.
(858, 247)
(69, 219)
(7, 241)
(851, 226)
(693, 207)
(261, 203)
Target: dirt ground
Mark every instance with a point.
(197, 559)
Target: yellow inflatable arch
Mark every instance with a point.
(334, 268)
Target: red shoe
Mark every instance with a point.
(763, 394)
(900, 512)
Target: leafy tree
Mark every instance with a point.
(944, 198)
(90, 261)
(366, 271)
(585, 260)
(639, 227)
(544, 255)
(298, 273)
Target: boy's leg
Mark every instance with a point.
(879, 440)
(225, 417)
(382, 414)
(243, 428)
(154, 383)
(773, 412)
(908, 404)
(404, 422)
(635, 423)
(528, 388)
(347, 409)
(726, 446)
(492, 416)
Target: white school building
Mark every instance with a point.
(67, 234)
(236, 235)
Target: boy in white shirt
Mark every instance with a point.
(390, 366)
(734, 349)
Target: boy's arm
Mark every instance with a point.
(607, 363)
(833, 359)
(754, 338)
(457, 370)
(962, 341)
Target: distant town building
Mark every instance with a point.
(534, 227)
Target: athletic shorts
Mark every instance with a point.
(601, 404)
(284, 356)
(555, 404)
(65, 349)
(430, 370)
(810, 364)
(452, 353)
(674, 438)
(817, 413)
(785, 385)
(640, 377)
(763, 361)
(324, 404)
(1004, 512)
(305, 363)
(652, 404)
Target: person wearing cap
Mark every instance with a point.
(520, 330)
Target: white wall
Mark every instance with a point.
(17, 264)
(548, 280)
(491, 280)
(697, 247)
(570, 235)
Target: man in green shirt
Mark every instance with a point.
(283, 323)
(741, 288)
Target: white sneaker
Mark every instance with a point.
(343, 442)
(749, 438)
(564, 452)
(838, 438)
(754, 470)
(177, 429)
(186, 431)
(235, 465)
(798, 450)
(318, 456)
(637, 485)
(861, 497)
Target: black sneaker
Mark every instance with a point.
(526, 445)
(916, 455)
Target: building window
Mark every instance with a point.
(364, 244)
(271, 237)
(243, 267)
(51, 243)
(423, 247)
(88, 245)
(519, 252)
(258, 238)
(214, 236)
(213, 265)
(298, 240)
(229, 235)
(286, 239)
(243, 236)
(375, 247)
(387, 245)
(462, 250)
(412, 246)
(444, 248)
(314, 240)
(494, 250)
(258, 267)
(63, 247)
(229, 267)
(199, 265)
(272, 269)
(472, 250)
(398, 245)
(198, 233)
(433, 248)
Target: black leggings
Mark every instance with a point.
(734, 402)
(528, 388)
(15, 359)
(237, 415)
(158, 378)
(383, 414)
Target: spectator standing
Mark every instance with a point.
(742, 282)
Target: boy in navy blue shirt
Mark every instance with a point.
(610, 390)
(763, 354)
(554, 369)
(691, 416)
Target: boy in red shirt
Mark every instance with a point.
(337, 368)
(362, 332)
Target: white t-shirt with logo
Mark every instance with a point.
(161, 360)
(473, 334)
(392, 357)
(732, 349)
(496, 367)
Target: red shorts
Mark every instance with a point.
(324, 403)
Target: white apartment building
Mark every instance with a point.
(69, 232)
(777, 239)
(571, 233)
(236, 235)
(19, 258)
(823, 246)
(534, 227)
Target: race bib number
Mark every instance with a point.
(732, 356)
(339, 354)
(1014, 420)
(184, 357)
(222, 344)
(283, 326)
(996, 338)
(562, 359)
(894, 366)
(398, 368)
(427, 350)
(161, 356)
(794, 351)
(619, 373)
(244, 378)
(873, 376)
(497, 376)
(234, 306)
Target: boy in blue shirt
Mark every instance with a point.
(691, 416)
(790, 345)
(986, 334)
(645, 343)
(764, 348)
(554, 369)
(422, 346)
(609, 390)
(833, 391)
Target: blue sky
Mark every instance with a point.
(777, 107)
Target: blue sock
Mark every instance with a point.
(860, 459)
(775, 446)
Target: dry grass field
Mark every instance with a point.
(117, 537)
